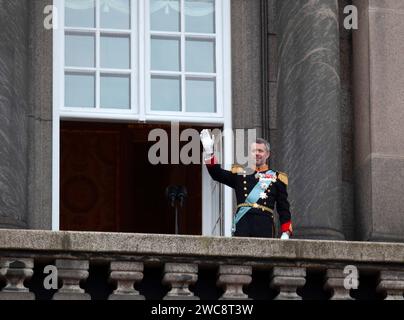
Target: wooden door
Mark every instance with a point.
(108, 184)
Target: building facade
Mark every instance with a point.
(83, 83)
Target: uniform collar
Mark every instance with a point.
(261, 168)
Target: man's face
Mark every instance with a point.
(259, 154)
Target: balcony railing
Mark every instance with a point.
(89, 265)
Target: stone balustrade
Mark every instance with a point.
(125, 275)
(232, 279)
(95, 265)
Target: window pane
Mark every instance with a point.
(115, 91)
(115, 14)
(79, 50)
(165, 93)
(115, 52)
(79, 90)
(201, 95)
(200, 55)
(165, 15)
(200, 16)
(165, 54)
(79, 13)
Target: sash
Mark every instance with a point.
(252, 197)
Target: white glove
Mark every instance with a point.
(207, 141)
(285, 236)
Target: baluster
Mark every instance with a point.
(287, 280)
(125, 275)
(335, 283)
(71, 272)
(232, 279)
(391, 283)
(179, 276)
(15, 271)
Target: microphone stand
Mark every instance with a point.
(176, 218)
(174, 193)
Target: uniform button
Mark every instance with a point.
(245, 194)
(245, 182)
(244, 176)
(245, 188)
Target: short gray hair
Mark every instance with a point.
(263, 141)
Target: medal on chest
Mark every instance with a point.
(265, 180)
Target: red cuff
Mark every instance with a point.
(287, 227)
(212, 161)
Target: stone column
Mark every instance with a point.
(179, 276)
(232, 279)
(287, 280)
(71, 272)
(392, 284)
(125, 275)
(40, 118)
(335, 284)
(378, 83)
(13, 113)
(246, 65)
(309, 115)
(15, 272)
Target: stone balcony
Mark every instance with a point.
(92, 265)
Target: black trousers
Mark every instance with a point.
(255, 224)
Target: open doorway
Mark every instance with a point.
(108, 184)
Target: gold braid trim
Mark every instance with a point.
(236, 168)
(282, 176)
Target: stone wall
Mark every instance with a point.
(378, 48)
(346, 108)
(309, 114)
(40, 117)
(14, 111)
(348, 179)
(261, 99)
(25, 115)
(246, 64)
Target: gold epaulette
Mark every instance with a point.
(236, 168)
(282, 176)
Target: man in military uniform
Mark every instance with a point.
(257, 191)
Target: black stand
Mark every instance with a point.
(174, 193)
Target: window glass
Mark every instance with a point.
(200, 16)
(80, 13)
(201, 95)
(80, 50)
(165, 15)
(165, 54)
(115, 91)
(166, 93)
(200, 55)
(80, 90)
(115, 52)
(115, 14)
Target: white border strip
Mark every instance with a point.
(227, 107)
(58, 63)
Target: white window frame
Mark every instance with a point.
(140, 88)
(218, 75)
(97, 112)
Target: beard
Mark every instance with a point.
(259, 162)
